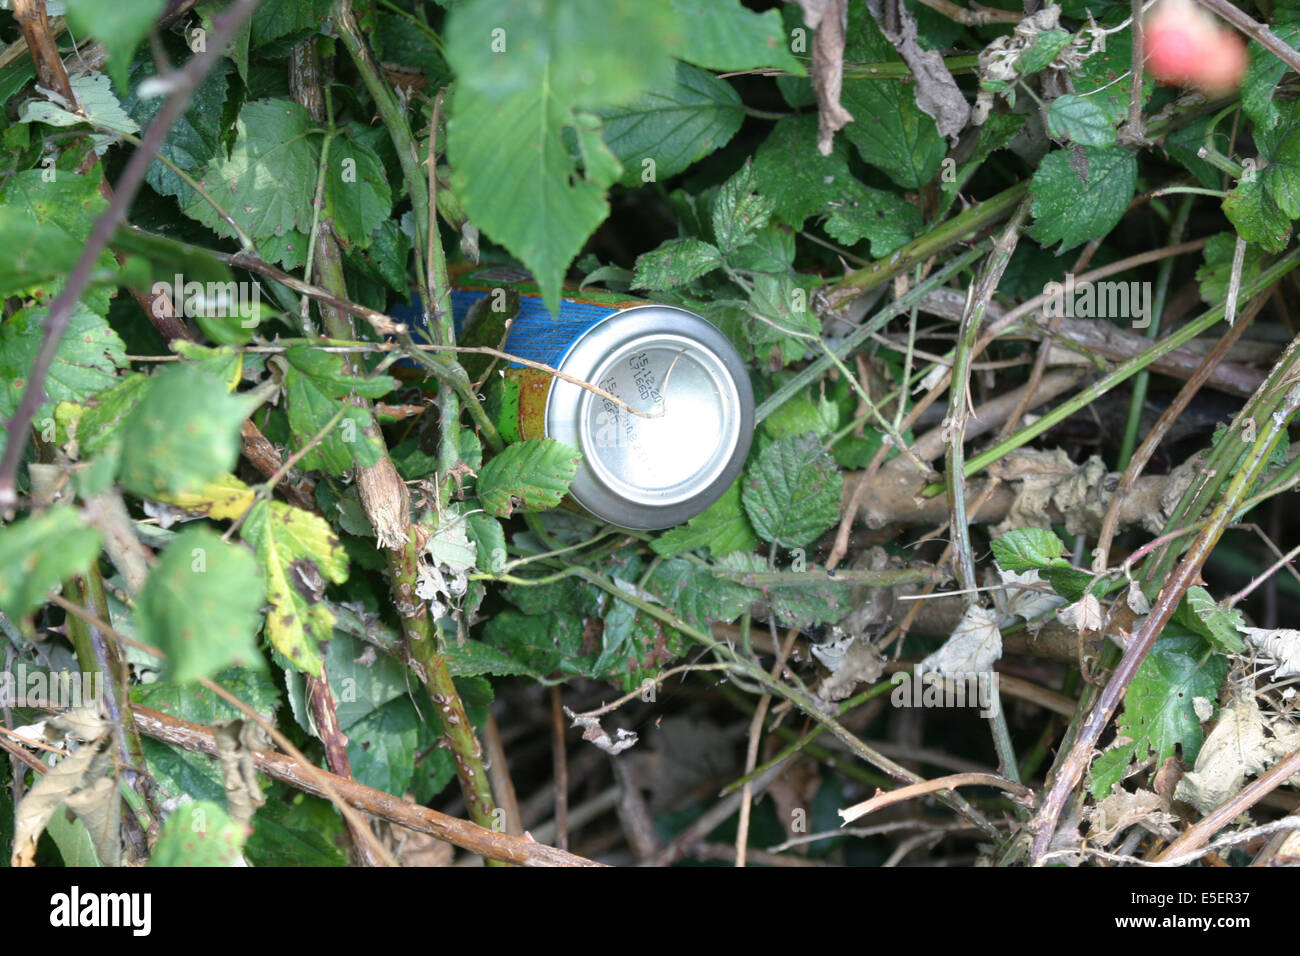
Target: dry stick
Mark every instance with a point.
(1256, 31)
(499, 774)
(1183, 576)
(1101, 554)
(560, 770)
(183, 84)
(385, 806)
(976, 16)
(958, 407)
(1195, 836)
(751, 751)
(1017, 790)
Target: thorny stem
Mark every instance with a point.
(958, 407)
(1184, 575)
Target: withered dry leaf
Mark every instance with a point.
(1280, 644)
(1024, 594)
(1083, 615)
(851, 660)
(74, 772)
(99, 808)
(592, 731)
(236, 741)
(1242, 744)
(937, 93)
(973, 647)
(1122, 809)
(829, 18)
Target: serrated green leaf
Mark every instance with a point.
(676, 122)
(382, 745)
(300, 831)
(1080, 193)
(1259, 86)
(470, 658)
(792, 492)
(199, 834)
(801, 414)
(722, 35)
(183, 433)
(1256, 217)
(316, 385)
(696, 594)
(1220, 625)
(268, 182)
(357, 196)
(89, 354)
(1080, 120)
(539, 643)
(272, 21)
(194, 139)
(361, 682)
(721, 528)
(532, 475)
(1159, 716)
(739, 213)
(1043, 50)
(1215, 274)
(1023, 549)
(119, 25)
(892, 133)
(517, 89)
(490, 541)
(675, 263)
(37, 553)
(96, 106)
(201, 605)
(291, 544)
(1106, 77)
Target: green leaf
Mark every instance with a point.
(532, 475)
(1256, 217)
(182, 434)
(470, 658)
(357, 197)
(539, 644)
(37, 553)
(296, 548)
(739, 213)
(676, 122)
(1220, 625)
(721, 528)
(1106, 77)
(1024, 549)
(489, 541)
(119, 25)
(519, 85)
(1159, 716)
(792, 492)
(801, 182)
(1259, 87)
(201, 605)
(1081, 120)
(88, 356)
(381, 746)
(299, 831)
(275, 20)
(97, 106)
(199, 834)
(698, 597)
(891, 133)
(316, 385)
(1043, 51)
(801, 414)
(1216, 273)
(268, 182)
(722, 35)
(675, 263)
(1080, 193)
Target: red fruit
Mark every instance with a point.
(1186, 46)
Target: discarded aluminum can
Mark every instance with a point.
(642, 471)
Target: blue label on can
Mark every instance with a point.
(534, 335)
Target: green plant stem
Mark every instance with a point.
(818, 367)
(1143, 378)
(423, 643)
(923, 247)
(1123, 372)
(884, 578)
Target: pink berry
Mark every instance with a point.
(1185, 46)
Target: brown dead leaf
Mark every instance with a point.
(829, 18)
(1122, 809)
(937, 93)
